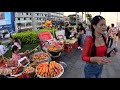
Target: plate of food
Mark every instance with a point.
(40, 57)
(30, 70)
(54, 48)
(5, 71)
(53, 70)
(17, 71)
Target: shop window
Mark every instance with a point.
(18, 18)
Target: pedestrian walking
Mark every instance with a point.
(95, 49)
(111, 33)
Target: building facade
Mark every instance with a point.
(33, 20)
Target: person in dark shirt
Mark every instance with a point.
(80, 31)
(67, 32)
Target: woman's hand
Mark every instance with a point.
(99, 60)
(26, 52)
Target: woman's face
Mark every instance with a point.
(100, 27)
(17, 51)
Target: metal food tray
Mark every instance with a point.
(45, 60)
(39, 76)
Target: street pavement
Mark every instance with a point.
(75, 65)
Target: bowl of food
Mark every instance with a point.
(30, 71)
(52, 70)
(54, 50)
(17, 71)
(40, 57)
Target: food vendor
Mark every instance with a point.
(16, 55)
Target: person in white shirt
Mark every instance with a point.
(111, 33)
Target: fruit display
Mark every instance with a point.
(29, 69)
(12, 63)
(17, 70)
(5, 71)
(40, 56)
(53, 48)
(51, 70)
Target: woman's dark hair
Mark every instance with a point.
(14, 48)
(108, 28)
(112, 25)
(95, 21)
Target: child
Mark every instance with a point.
(116, 40)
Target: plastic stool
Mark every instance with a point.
(67, 47)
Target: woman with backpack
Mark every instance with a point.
(95, 49)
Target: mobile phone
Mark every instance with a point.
(115, 49)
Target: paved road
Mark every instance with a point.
(76, 65)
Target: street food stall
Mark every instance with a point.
(38, 65)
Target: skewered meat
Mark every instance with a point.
(17, 70)
(41, 56)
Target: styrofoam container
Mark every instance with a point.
(22, 59)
